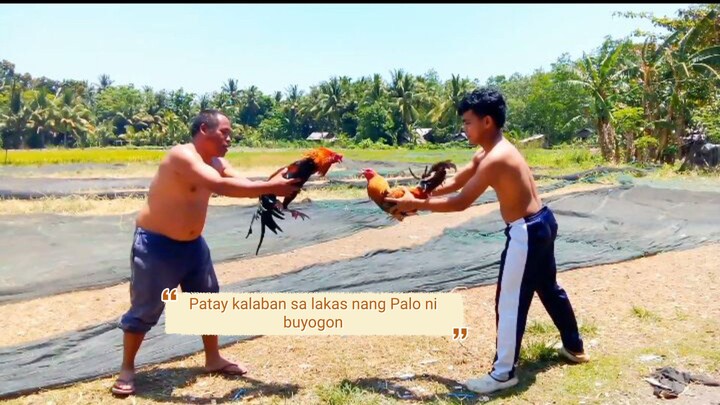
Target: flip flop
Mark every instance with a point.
(228, 371)
(117, 389)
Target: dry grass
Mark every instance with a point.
(301, 370)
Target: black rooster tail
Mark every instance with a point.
(267, 209)
(444, 165)
(416, 177)
(433, 178)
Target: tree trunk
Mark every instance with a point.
(607, 140)
(679, 133)
(664, 136)
(601, 139)
(612, 142)
(629, 146)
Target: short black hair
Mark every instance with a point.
(485, 101)
(208, 117)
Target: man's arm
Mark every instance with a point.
(196, 171)
(473, 189)
(226, 170)
(456, 182)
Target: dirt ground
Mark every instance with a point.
(680, 322)
(637, 315)
(71, 311)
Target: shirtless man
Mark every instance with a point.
(528, 262)
(168, 248)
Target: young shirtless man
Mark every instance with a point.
(528, 261)
(168, 248)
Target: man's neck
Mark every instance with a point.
(206, 157)
(490, 143)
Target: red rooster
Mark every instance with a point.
(378, 188)
(318, 160)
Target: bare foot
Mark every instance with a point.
(125, 384)
(226, 367)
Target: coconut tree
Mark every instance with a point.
(599, 75)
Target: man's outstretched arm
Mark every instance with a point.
(227, 170)
(456, 182)
(196, 171)
(473, 189)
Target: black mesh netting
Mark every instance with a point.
(63, 253)
(602, 226)
(60, 253)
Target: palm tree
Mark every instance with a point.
(292, 109)
(330, 103)
(251, 104)
(685, 67)
(14, 123)
(404, 90)
(204, 102)
(104, 82)
(231, 89)
(376, 91)
(599, 76)
(446, 109)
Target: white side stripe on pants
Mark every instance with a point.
(509, 300)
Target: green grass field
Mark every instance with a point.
(554, 159)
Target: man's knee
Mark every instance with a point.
(140, 319)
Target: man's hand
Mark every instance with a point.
(283, 187)
(406, 203)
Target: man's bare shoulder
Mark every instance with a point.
(478, 157)
(502, 156)
(182, 154)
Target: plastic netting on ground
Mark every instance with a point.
(601, 226)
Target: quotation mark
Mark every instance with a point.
(172, 295)
(459, 333)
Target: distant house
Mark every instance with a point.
(537, 140)
(418, 135)
(459, 137)
(423, 135)
(321, 136)
(431, 136)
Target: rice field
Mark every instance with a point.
(556, 159)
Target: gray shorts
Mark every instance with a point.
(158, 262)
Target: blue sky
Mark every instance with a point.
(198, 47)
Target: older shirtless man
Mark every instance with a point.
(168, 248)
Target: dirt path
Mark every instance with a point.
(72, 311)
(665, 306)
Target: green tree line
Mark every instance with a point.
(636, 97)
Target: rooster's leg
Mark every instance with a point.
(295, 213)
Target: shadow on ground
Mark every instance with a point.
(408, 390)
(159, 385)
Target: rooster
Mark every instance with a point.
(318, 160)
(378, 188)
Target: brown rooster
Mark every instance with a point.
(318, 160)
(378, 188)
